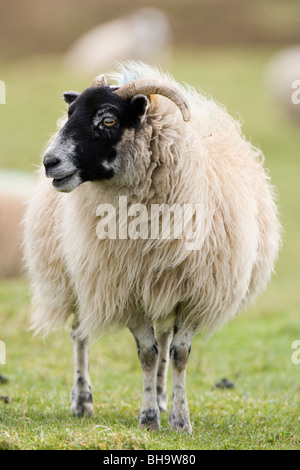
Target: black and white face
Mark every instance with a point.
(85, 148)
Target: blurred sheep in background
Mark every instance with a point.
(143, 35)
(283, 80)
(15, 189)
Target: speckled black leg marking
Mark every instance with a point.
(81, 396)
(148, 354)
(179, 355)
(163, 342)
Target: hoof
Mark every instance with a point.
(162, 402)
(180, 423)
(149, 419)
(180, 426)
(82, 404)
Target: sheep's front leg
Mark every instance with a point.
(81, 396)
(148, 354)
(179, 355)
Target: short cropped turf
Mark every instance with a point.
(254, 351)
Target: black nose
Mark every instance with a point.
(50, 160)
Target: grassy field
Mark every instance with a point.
(254, 351)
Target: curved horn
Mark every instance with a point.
(153, 87)
(99, 81)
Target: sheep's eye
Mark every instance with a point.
(108, 122)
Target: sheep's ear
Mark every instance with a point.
(140, 105)
(70, 96)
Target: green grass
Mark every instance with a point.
(254, 351)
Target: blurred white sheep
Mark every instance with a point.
(15, 189)
(283, 80)
(143, 35)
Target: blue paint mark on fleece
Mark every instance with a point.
(128, 77)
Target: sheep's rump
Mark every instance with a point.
(206, 161)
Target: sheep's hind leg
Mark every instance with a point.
(179, 355)
(163, 342)
(148, 354)
(81, 396)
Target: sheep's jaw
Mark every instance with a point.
(67, 183)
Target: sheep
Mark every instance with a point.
(282, 80)
(2, 92)
(145, 35)
(15, 189)
(153, 141)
